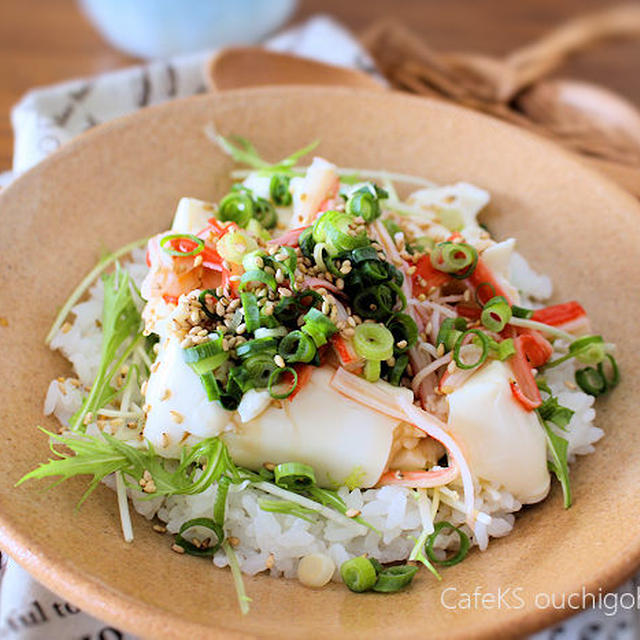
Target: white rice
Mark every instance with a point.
(279, 541)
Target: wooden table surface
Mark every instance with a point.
(47, 41)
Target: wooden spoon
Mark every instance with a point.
(240, 67)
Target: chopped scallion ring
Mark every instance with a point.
(297, 347)
(591, 381)
(372, 370)
(237, 207)
(201, 549)
(256, 275)
(484, 342)
(373, 341)
(458, 259)
(294, 475)
(274, 378)
(496, 314)
(358, 574)
(393, 579)
(176, 238)
(462, 551)
(615, 372)
(279, 190)
(251, 311)
(204, 299)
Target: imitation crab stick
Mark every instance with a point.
(523, 386)
(401, 407)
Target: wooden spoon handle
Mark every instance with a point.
(536, 60)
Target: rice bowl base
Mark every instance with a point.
(122, 181)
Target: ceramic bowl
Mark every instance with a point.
(122, 181)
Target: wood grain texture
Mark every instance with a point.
(47, 41)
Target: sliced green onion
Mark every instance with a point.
(233, 246)
(372, 369)
(458, 259)
(375, 302)
(199, 248)
(376, 565)
(203, 300)
(450, 330)
(374, 271)
(297, 347)
(462, 551)
(403, 328)
(307, 243)
(257, 346)
(393, 579)
(237, 207)
(279, 190)
(591, 381)
(615, 372)
(521, 312)
(503, 349)
(333, 229)
(211, 387)
(373, 341)
(363, 254)
(259, 369)
(589, 349)
(364, 203)
(258, 276)
(395, 376)
(265, 213)
(273, 332)
(318, 326)
(484, 341)
(274, 379)
(206, 356)
(254, 260)
(358, 574)
(496, 314)
(192, 549)
(251, 311)
(290, 307)
(294, 475)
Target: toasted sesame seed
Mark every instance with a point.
(165, 440)
(177, 548)
(233, 541)
(440, 350)
(159, 528)
(411, 270)
(340, 283)
(65, 328)
(242, 327)
(401, 344)
(352, 513)
(278, 359)
(197, 261)
(570, 385)
(270, 561)
(166, 394)
(422, 297)
(349, 332)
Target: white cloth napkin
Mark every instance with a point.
(48, 117)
